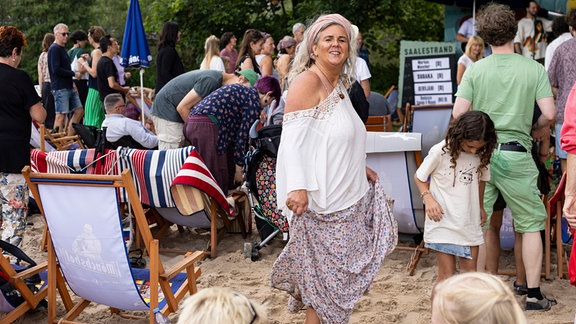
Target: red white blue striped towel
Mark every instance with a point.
(194, 173)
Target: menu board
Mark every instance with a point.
(427, 73)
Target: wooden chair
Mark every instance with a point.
(60, 141)
(87, 251)
(18, 280)
(379, 124)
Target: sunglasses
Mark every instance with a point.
(65, 34)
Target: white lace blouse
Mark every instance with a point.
(322, 150)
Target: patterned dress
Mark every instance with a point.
(337, 246)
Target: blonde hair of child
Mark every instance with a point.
(475, 298)
(219, 305)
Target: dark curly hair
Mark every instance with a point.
(471, 126)
(11, 38)
(496, 24)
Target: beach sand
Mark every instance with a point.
(395, 297)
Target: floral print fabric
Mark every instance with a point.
(331, 259)
(266, 185)
(235, 107)
(14, 206)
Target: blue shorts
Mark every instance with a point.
(561, 153)
(66, 100)
(452, 249)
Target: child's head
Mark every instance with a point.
(475, 298)
(472, 132)
(219, 305)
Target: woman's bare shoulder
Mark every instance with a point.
(304, 92)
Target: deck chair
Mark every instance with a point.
(32, 293)
(195, 192)
(432, 122)
(560, 233)
(138, 105)
(87, 250)
(60, 141)
(379, 123)
(155, 173)
(395, 157)
(37, 142)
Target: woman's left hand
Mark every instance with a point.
(371, 175)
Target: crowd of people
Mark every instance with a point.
(508, 79)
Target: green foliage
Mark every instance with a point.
(383, 24)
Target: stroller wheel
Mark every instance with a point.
(255, 254)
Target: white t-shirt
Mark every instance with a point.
(525, 34)
(362, 71)
(457, 191)
(464, 59)
(216, 63)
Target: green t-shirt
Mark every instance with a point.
(76, 52)
(506, 87)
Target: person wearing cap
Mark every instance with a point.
(172, 104)
(218, 127)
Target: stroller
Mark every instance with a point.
(260, 182)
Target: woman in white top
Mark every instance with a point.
(474, 52)
(212, 59)
(340, 225)
(264, 59)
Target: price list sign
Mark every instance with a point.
(427, 73)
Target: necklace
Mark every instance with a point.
(337, 87)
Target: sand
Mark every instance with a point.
(395, 297)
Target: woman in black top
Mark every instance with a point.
(168, 63)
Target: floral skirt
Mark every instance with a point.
(331, 259)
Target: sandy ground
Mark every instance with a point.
(395, 297)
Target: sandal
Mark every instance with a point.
(137, 261)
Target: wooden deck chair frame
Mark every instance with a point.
(60, 141)
(31, 299)
(379, 123)
(159, 277)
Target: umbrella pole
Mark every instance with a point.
(142, 96)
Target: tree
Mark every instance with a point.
(383, 23)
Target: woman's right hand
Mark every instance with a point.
(297, 201)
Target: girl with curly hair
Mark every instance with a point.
(451, 182)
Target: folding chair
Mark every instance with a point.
(156, 173)
(559, 232)
(395, 157)
(60, 141)
(379, 123)
(87, 249)
(33, 296)
(432, 122)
